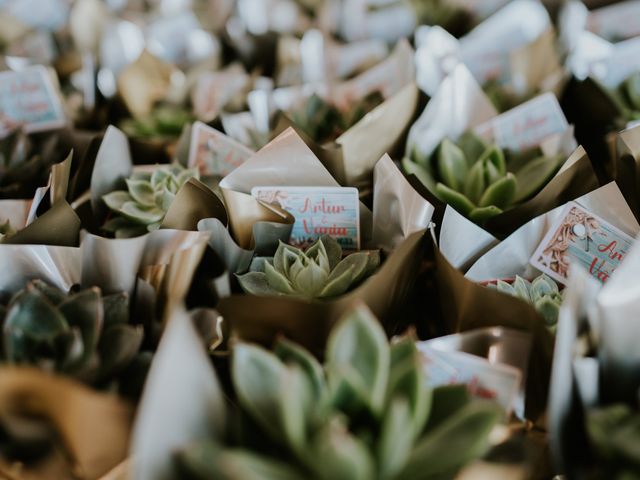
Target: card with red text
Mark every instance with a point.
(333, 211)
(28, 98)
(581, 237)
(526, 125)
(213, 152)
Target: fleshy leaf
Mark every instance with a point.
(143, 215)
(501, 193)
(276, 280)
(142, 192)
(115, 200)
(396, 438)
(457, 200)
(359, 341)
(333, 249)
(482, 214)
(310, 280)
(494, 155)
(521, 287)
(474, 184)
(421, 173)
(256, 283)
(452, 165)
(534, 176)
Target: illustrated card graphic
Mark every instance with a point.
(213, 152)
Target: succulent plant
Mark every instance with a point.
(143, 206)
(614, 435)
(627, 97)
(318, 272)
(366, 414)
(24, 163)
(163, 122)
(542, 292)
(82, 334)
(481, 181)
(324, 122)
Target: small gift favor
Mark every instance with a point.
(512, 54)
(595, 383)
(344, 433)
(492, 168)
(332, 224)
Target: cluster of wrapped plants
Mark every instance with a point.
(333, 240)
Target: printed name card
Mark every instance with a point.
(213, 152)
(527, 125)
(29, 98)
(581, 237)
(333, 211)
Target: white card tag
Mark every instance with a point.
(28, 98)
(215, 153)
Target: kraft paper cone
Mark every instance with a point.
(144, 82)
(57, 226)
(94, 426)
(466, 305)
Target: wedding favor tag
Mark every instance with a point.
(318, 211)
(484, 380)
(29, 98)
(527, 125)
(581, 237)
(213, 152)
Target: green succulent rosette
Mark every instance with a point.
(164, 122)
(367, 413)
(324, 122)
(613, 432)
(318, 272)
(142, 207)
(479, 180)
(626, 97)
(542, 293)
(83, 334)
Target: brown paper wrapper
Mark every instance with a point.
(466, 305)
(262, 319)
(94, 427)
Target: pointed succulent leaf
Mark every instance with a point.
(474, 184)
(276, 280)
(504, 287)
(256, 283)
(421, 173)
(291, 353)
(359, 341)
(30, 319)
(118, 346)
(541, 286)
(522, 288)
(338, 284)
(141, 214)
(495, 156)
(284, 257)
(257, 377)
(632, 89)
(84, 311)
(491, 173)
(549, 307)
(55, 295)
(116, 308)
(459, 439)
(501, 193)
(296, 404)
(338, 455)
(348, 393)
(142, 192)
(115, 200)
(456, 199)
(396, 438)
(472, 145)
(452, 166)
(318, 253)
(481, 215)
(356, 262)
(310, 280)
(446, 401)
(333, 249)
(534, 176)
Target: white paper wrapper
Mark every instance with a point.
(182, 401)
(511, 256)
